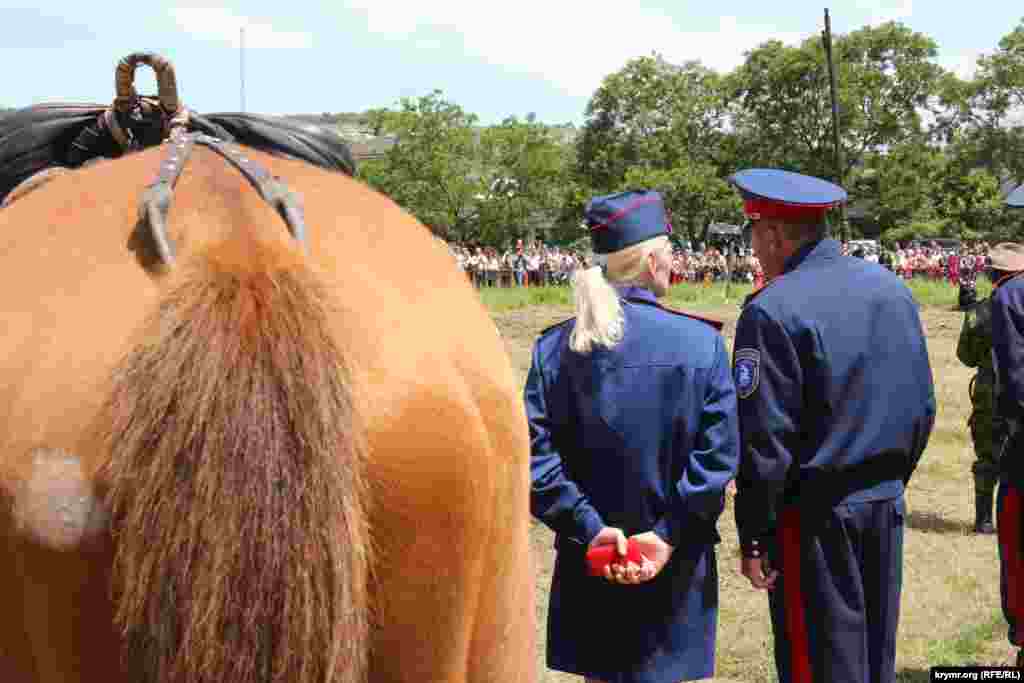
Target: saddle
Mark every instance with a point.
(49, 137)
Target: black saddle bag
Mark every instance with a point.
(43, 136)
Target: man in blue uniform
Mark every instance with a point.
(634, 434)
(836, 405)
(1008, 358)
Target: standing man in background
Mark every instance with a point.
(967, 268)
(1007, 264)
(974, 349)
(836, 406)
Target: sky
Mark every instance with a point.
(493, 59)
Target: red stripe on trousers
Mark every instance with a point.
(1010, 539)
(796, 622)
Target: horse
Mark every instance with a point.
(271, 461)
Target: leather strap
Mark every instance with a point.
(156, 198)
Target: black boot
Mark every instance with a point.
(983, 512)
(1020, 658)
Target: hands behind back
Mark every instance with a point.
(655, 553)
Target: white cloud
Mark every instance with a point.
(570, 43)
(217, 23)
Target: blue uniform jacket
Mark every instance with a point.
(836, 398)
(642, 437)
(1008, 357)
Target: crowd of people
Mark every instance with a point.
(540, 264)
(524, 266)
(934, 262)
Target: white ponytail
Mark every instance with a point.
(599, 318)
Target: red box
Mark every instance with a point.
(603, 555)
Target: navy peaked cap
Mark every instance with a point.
(769, 192)
(620, 220)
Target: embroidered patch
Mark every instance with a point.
(747, 371)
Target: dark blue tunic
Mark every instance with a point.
(836, 405)
(642, 437)
(1008, 357)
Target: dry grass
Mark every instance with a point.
(950, 606)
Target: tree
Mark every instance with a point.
(896, 186)
(781, 109)
(969, 200)
(652, 114)
(984, 116)
(432, 170)
(523, 166)
(656, 125)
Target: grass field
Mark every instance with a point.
(499, 300)
(950, 606)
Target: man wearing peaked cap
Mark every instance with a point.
(634, 437)
(1007, 272)
(836, 405)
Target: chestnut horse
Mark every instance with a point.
(265, 463)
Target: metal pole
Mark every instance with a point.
(827, 39)
(241, 64)
(728, 266)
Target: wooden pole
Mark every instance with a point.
(827, 40)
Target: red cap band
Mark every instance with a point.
(757, 209)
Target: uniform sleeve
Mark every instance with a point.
(1008, 350)
(554, 498)
(769, 382)
(713, 462)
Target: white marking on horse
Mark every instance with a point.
(55, 505)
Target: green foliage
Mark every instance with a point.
(487, 185)
(969, 200)
(926, 154)
(522, 166)
(432, 170)
(650, 113)
(897, 186)
(983, 114)
(656, 125)
(781, 105)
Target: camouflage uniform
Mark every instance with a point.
(975, 350)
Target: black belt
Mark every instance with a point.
(827, 488)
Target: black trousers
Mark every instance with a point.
(835, 607)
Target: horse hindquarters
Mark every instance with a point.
(453, 589)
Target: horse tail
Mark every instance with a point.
(236, 485)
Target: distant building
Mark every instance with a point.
(370, 147)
